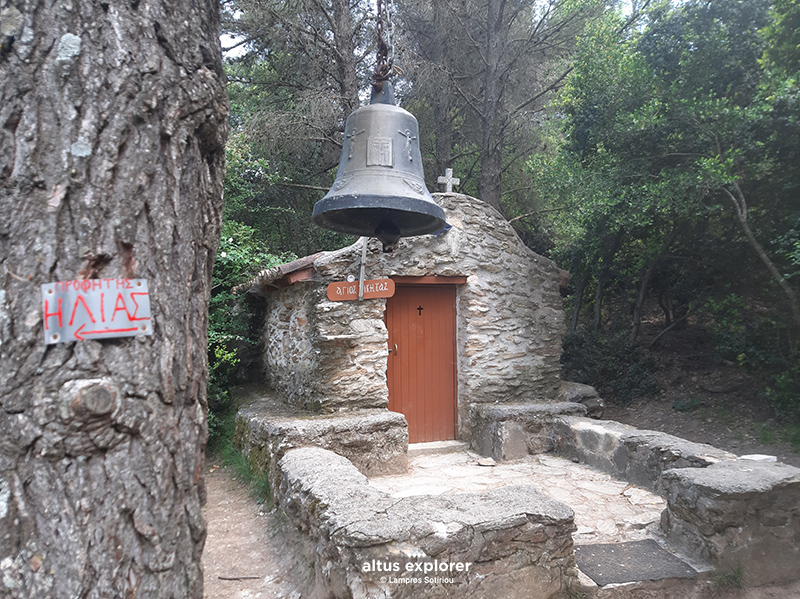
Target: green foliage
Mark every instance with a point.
(223, 450)
(742, 335)
(688, 123)
(655, 122)
(290, 93)
(275, 196)
(792, 435)
(727, 325)
(618, 370)
(257, 482)
(241, 255)
(732, 579)
(247, 177)
(783, 37)
(784, 393)
(788, 245)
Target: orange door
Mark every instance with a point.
(421, 369)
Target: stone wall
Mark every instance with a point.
(513, 431)
(509, 318)
(637, 456)
(510, 543)
(289, 355)
(324, 356)
(735, 514)
(375, 441)
(739, 515)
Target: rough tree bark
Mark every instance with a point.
(113, 118)
(576, 309)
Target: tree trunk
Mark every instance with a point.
(576, 309)
(443, 100)
(113, 118)
(740, 206)
(444, 135)
(645, 283)
(597, 319)
(489, 183)
(344, 42)
(608, 260)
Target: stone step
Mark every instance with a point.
(436, 448)
(644, 565)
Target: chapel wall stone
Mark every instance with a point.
(289, 353)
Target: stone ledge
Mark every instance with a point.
(515, 538)
(584, 394)
(512, 431)
(737, 514)
(375, 441)
(637, 456)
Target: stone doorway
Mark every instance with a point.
(421, 366)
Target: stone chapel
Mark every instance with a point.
(476, 318)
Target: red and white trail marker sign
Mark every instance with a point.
(95, 309)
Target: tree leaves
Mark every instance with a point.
(666, 124)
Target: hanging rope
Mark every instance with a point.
(385, 42)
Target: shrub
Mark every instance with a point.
(784, 392)
(618, 370)
(241, 255)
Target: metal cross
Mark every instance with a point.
(448, 180)
(420, 310)
(352, 137)
(409, 137)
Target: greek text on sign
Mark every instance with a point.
(343, 290)
(95, 309)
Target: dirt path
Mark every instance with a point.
(248, 544)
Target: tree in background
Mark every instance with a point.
(485, 70)
(291, 91)
(675, 146)
(475, 74)
(113, 119)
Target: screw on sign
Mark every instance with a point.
(95, 309)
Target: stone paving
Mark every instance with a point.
(606, 510)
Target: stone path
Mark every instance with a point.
(246, 540)
(606, 510)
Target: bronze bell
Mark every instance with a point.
(379, 189)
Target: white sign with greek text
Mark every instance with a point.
(95, 309)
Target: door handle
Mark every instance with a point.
(395, 350)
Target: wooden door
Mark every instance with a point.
(421, 368)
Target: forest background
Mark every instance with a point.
(650, 148)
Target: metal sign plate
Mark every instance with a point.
(344, 290)
(95, 309)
